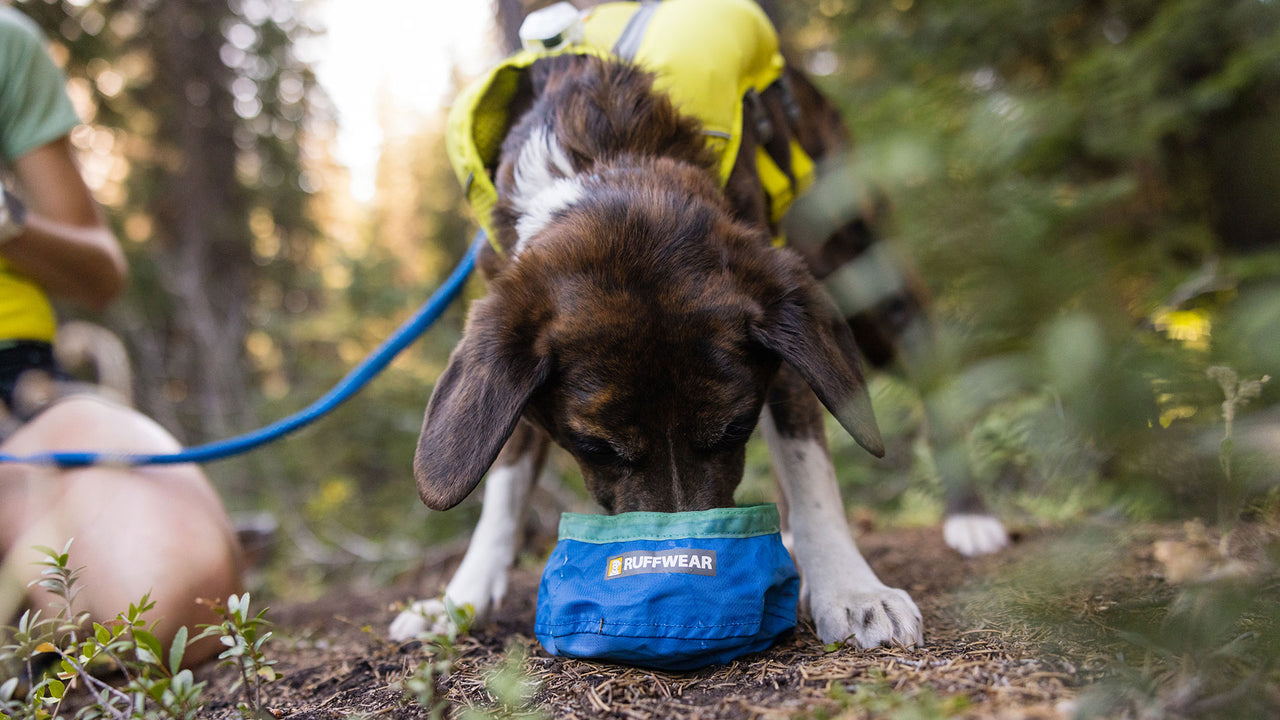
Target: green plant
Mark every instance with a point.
(876, 697)
(244, 635)
(511, 688)
(1211, 651)
(420, 687)
(57, 655)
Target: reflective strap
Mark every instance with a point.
(779, 187)
(628, 43)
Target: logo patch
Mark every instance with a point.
(679, 560)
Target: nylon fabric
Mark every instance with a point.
(25, 311)
(637, 588)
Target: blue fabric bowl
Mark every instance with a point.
(672, 591)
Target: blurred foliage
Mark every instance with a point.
(1148, 644)
(1077, 184)
(257, 280)
(206, 143)
(875, 697)
(1089, 190)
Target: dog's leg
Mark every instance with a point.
(481, 580)
(846, 599)
(887, 308)
(970, 528)
(834, 227)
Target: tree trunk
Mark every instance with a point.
(205, 259)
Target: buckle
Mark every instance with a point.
(552, 28)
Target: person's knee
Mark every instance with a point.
(182, 564)
(87, 422)
(160, 531)
(186, 599)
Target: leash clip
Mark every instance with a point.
(552, 28)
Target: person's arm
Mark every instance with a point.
(66, 245)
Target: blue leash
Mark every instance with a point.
(354, 381)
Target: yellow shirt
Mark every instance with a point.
(25, 313)
(34, 110)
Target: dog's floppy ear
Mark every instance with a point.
(475, 406)
(804, 327)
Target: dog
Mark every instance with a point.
(640, 315)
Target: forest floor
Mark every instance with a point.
(979, 661)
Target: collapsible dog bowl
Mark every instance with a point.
(673, 591)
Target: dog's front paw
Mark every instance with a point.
(475, 591)
(438, 617)
(424, 618)
(972, 535)
(872, 618)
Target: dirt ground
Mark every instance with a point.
(335, 662)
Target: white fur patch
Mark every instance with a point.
(846, 599)
(545, 184)
(867, 281)
(557, 197)
(423, 618)
(972, 535)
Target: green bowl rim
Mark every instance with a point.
(737, 522)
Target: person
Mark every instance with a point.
(160, 530)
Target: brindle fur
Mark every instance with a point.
(644, 336)
(644, 327)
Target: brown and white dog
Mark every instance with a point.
(639, 315)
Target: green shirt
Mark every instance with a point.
(34, 107)
(34, 110)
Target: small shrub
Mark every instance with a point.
(49, 658)
(244, 636)
(420, 687)
(55, 656)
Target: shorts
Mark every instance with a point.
(18, 357)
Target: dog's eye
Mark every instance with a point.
(735, 433)
(597, 452)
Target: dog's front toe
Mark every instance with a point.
(422, 619)
(880, 617)
(972, 534)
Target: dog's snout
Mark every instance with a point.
(673, 483)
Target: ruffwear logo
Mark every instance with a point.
(679, 560)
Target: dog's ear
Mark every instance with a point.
(804, 327)
(475, 405)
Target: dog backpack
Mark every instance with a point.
(708, 56)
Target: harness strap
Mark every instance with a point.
(628, 43)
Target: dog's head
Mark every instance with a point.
(641, 329)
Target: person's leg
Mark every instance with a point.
(160, 530)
